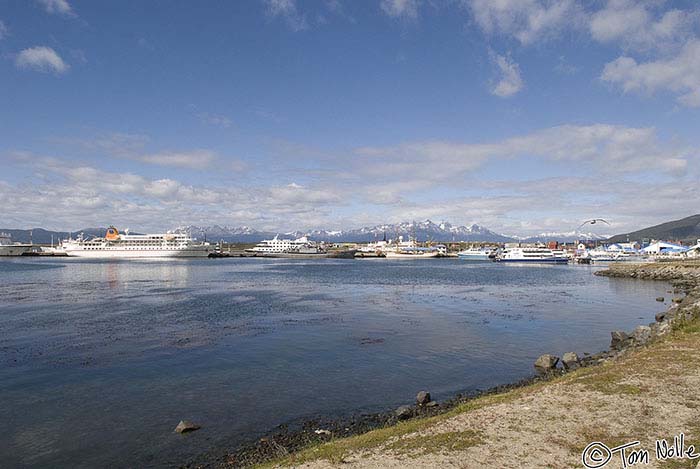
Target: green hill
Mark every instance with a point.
(686, 229)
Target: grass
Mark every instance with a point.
(422, 444)
(337, 451)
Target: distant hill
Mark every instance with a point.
(42, 236)
(686, 229)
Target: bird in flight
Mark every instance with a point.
(592, 221)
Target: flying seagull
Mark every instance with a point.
(592, 221)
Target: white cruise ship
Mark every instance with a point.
(300, 248)
(117, 245)
(531, 254)
(286, 246)
(8, 248)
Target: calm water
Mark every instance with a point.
(100, 360)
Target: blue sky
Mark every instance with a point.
(525, 116)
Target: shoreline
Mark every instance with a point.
(285, 441)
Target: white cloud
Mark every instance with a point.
(679, 74)
(596, 148)
(196, 159)
(510, 81)
(633, 24)
(3, 30)
(61, 7)
(287, 10)
(526, 20)
(41, 59)
(407, 9)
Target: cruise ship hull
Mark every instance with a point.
(401, 255)
(551, 260)
(137, 253)
(321, 255)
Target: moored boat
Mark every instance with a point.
(530, 255)
(300, 248)
(117, 245)
(476, 254)
(411, 250)
(8, 248)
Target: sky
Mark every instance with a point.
(524, 116)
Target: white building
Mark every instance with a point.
(662, 247)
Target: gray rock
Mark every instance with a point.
(664, 328)
(404, 412)
(432, 404)
(642, 334)
(677, 300)
(546, 363)
(660, 299)
(422, 398)
(660, 317)
(571, 360)
(186, 426)
(620, 339)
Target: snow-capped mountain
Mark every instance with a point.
(423, 231)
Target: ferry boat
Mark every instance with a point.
(476, 254)
(8, 248)
(531, 254)
(118, 245)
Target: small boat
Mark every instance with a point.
(476, 254)
(531, 255)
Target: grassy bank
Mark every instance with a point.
(643, 393)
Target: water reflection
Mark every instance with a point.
(121, 351)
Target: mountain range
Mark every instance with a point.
(686, 229)
(423, 230)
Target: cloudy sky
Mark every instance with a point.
(521, 115)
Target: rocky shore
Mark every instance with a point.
(321, 442)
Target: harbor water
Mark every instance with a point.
(99, 360)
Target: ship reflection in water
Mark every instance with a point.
(99, 360)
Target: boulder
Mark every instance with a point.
(620, 340)
(660, 317)
(404, 412)
(571, 360)
(432, 404)
(641, 334)
(186, 426)
(422, 398)
(677, 300)
(660, 299)
(546, 363)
